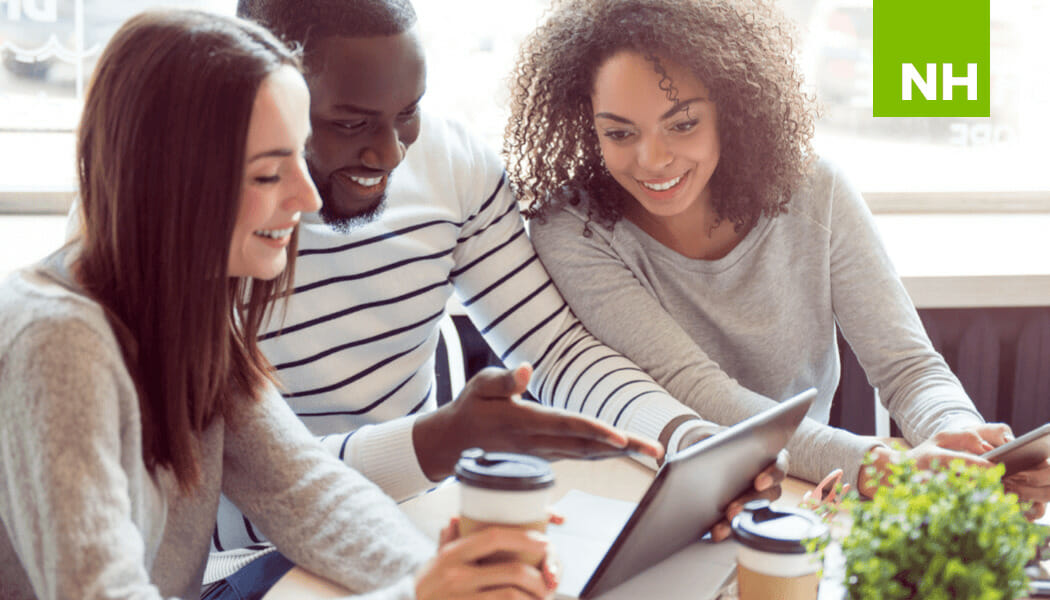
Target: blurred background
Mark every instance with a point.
(48, 48)
(963, 205)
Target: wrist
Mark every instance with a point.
(435, 457)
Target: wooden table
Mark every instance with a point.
(620, 478)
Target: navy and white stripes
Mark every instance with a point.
(357, 346)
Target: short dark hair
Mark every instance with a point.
(303, 21)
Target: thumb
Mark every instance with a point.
(522, 374)
(496, 382)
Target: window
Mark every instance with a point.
(902, 164)
(47, 51)
(48, 47)
(991, 163)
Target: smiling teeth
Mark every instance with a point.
(366, 181)
(660, 187)
(275, 234)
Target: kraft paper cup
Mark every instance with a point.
(504, 489)
(772, 562)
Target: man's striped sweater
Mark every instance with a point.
(356, 350)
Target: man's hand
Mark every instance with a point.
(490, 414)
(766, 485)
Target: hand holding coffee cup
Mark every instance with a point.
(456, 570)
(504, 489)
(773, 562)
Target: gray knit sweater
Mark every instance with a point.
(82, 517)
(729, 337)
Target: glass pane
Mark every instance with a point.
(47, 51)
(471, 45)
(1001, 153)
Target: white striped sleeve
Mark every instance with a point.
(385, 454)
(516, 307)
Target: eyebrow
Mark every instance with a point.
(368, 111)
(677, 108)
(277, 152)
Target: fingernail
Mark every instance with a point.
(550, 574)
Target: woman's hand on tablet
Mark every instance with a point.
(766, 486)
(1031, 485)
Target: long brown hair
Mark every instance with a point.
(160, 156)
(742, 51)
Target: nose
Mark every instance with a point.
(384, 151)
(304, 196)
(654, 154)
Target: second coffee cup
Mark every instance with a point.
(505, 489)
(773, 562)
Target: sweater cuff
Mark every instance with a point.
(650, 414)
(855, 449)
(686, 427)
(385, 454)
(961, 419)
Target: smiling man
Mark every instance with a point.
(369, 114)
(414, 210)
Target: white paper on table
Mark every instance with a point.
(592, 523)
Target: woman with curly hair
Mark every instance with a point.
(664, 150)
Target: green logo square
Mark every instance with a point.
(927, 51)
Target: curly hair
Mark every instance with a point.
(742, 50)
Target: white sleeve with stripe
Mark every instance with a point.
(516, 307)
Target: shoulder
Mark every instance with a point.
(824, 187)
(451, 143)
(449, 164)
(826, 176)
(40, 315)
(564, 221)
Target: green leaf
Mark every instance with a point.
(948, 534)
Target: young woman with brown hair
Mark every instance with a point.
(131, 384)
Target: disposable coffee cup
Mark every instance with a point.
(772, 561)
(504, 489)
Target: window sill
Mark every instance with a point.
(970, 260)
(945, 260)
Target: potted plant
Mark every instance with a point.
(947, 534)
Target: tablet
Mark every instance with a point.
(692, 489)
(1024, 452)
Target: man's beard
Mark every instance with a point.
(344, 222)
